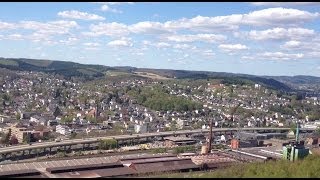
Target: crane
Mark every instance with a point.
(233, 111)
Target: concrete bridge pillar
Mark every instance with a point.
(3, 157)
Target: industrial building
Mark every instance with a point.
(126, 165)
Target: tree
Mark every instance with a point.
(13, 140)
(67, 119)
(293, 128)
(18, 116)
(27, 139)
(73, 135)
(108, 144)
(57, 112)
(7, 137)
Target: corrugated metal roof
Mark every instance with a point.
(83, 167)
(24, 171)
(108, 172)
(165, 166)
(81, 174)
(162, 159)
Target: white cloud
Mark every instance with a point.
(138, 53)
(42, 32)
(310, 48)
(91, 44)
(69, 41)
(106, 8)
(281, 34)
(278, 16)
(208, 53)
(280, 56)
(123, 42)
(272, 17)
(182, 46)
(265, 17)
(80, 15)
(198, 37)
(162, 45)
(232, 47)
(49, 28)
(149, 28)
(291, 45)
(205, 24)
(247, 57)
(281, 17)
(15, 37)
(5, 25)
(108, 29)
(113, 3)
(284, 3)
(92, 48)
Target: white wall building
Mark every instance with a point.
(64, 130)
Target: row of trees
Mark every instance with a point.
(7, 139)
(158, 99)
(108, 144)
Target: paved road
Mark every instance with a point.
(122, 137)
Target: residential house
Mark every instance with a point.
(62, 129)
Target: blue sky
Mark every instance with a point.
(252, 38)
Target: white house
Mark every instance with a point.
(140, 128)
(64, 130)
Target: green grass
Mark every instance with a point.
(39, 63)
(116, 73)
(8, 62)
(309, 167)
(88, 71)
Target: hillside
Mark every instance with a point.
(89, 72)
(67, 69)
(308, 168)
(309, 83)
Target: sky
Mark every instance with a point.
(259, 38)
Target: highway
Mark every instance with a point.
(19, 148)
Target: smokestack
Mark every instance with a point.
(297, 132)
(210, 137)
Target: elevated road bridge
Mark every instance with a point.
(21, 148)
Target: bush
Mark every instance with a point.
(107, 144)
(183, 149)
(159, 150)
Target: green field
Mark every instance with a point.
(309, 167)
(8, 62)
(39, 63)
(151, 75)
(116, 73)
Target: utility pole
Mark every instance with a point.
(210, 137)
(297, 132)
